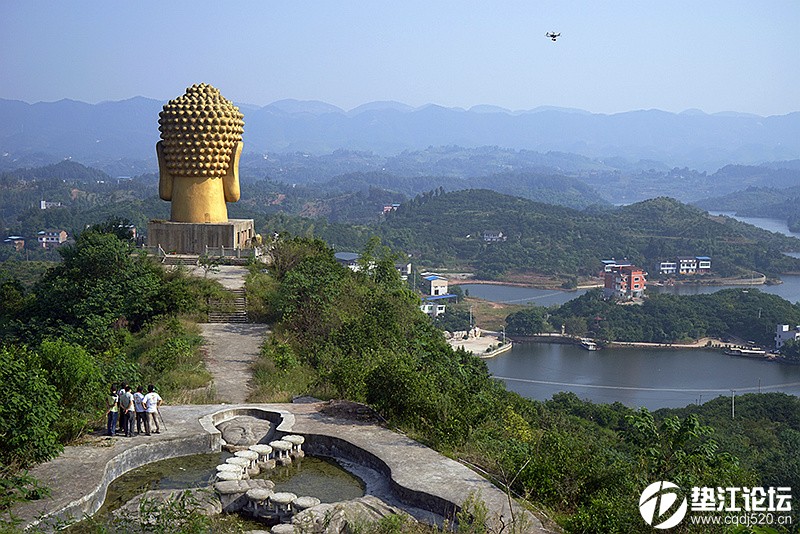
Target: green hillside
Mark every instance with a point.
(446, 229)
(760, 202)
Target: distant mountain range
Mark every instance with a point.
(125, 132)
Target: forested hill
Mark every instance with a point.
(541, 185)
(760, 202)
(446, 229)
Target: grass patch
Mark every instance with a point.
(278, 375)
(169, 355)
(261, 290)
(488, 315)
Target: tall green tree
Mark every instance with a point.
(99, 288)
(29, 408)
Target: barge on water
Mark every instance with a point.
(746, 353)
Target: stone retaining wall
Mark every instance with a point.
(333, 447)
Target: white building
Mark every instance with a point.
(51, 237)
(493, 236)
(437, 285)
(349, 260)
(687, 265)
(703, 264)
(404, 269)
(668, 267)
(784, 334)
(433, 306)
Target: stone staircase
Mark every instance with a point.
(180, 259)
(225, 312)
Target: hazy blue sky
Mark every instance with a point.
(614, 56)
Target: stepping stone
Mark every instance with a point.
(282, 501)
(253, 457)
(302, 503)
(297, 443)
(229, 467)
(282, 449)
(258, 498)
(228, 475)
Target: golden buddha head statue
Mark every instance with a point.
(201, 141)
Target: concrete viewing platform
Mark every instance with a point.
(485, 345)
(415, 476)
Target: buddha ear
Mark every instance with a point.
(164, 177)
(230, 182)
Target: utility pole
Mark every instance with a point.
(471, 326)
(733, 403)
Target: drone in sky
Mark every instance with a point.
(553, 36)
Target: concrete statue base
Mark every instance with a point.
(200, 238)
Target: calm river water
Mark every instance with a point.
(789, 289)
(654, 378)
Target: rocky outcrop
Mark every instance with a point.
(146, 509)
(346, 516)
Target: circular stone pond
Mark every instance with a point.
(317, 477)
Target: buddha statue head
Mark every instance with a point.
(198, 155)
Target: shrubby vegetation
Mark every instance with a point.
(361, 336)
(747, 314)
(103, 315)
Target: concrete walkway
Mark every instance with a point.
(420, 477)
(230, 276)
(231, 350)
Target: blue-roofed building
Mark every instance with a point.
(436, 285)
(435, 303)
(348, 259)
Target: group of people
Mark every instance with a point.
(126, 407)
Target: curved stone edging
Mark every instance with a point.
(334, 447)
(418, 477)
(120, 464)
(140, 454)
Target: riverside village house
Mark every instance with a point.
(783, 334)
(435, 303)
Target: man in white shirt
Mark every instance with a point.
(151, 403)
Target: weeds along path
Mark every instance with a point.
(231, 348)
